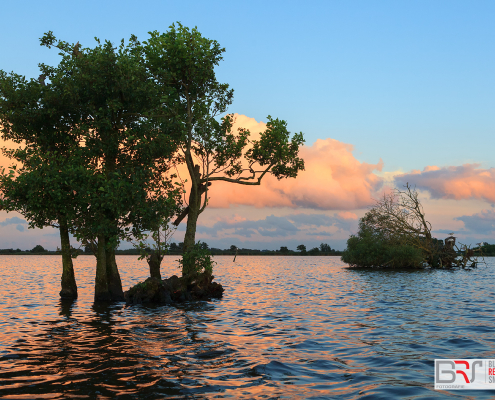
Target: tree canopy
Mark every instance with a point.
(95, 149)
(184, 61)
(100, 132)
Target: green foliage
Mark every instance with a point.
(184, 61)
(196, 261)
(38, 249)
(372, 249)
(302, 249)
(160, 235)
(314, 251)
(488, 249)
(96, 148)
(325, 248)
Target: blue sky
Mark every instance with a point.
(383, 75)
(411, 83)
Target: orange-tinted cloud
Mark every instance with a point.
(5, 162)
(333, 180)
(461, 182)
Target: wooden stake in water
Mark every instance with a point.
(235, 254)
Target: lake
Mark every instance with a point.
(287, 327)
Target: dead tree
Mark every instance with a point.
(400, 217)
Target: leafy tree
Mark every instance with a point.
(43, 187)
(302, 249)
(371, 248)
(160, 235)
(38, 249)
(395, 233)
(325, 248)
(96, 148)
(314, 251)
(284, 249)
(184, 61)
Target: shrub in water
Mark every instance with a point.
(196, 261)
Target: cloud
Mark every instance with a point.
(481, 223)
(320, 233)
(20, 228)
(13, 220)
(457, 182)
(271, 226)
(449, 231)
(333, 180)
(289, 225)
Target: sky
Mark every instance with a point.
(385, 92)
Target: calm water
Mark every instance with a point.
(287, 327)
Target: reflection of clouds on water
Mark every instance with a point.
(115, 351)
(288, 326)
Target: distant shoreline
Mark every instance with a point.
(125, 253)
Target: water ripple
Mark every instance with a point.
(288, 327)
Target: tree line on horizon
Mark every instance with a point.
(100, 137)
(178, 248)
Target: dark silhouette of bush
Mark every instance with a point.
(372, 249)
(38, 249)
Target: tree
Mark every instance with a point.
(325, 248)
(400, 218)
(184, 61)
(394, 233)
(302, 249)
(38, 249)
(43, 187)
(161, 235)
(314, 251)
(284, 249)
(96, 130)
(371, 248)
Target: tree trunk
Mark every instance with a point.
(192, 220)
(154, 262)
(101, 282)
(69, 287)
(113, 276)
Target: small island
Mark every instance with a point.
(102, 164)
(394, 233)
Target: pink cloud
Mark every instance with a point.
(347, 215)
(457, 182)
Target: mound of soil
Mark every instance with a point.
(174, 290)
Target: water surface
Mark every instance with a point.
(287, 327)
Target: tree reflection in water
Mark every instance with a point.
(155, 352)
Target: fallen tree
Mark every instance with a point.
(395, 233)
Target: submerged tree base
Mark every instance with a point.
(174, 290)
